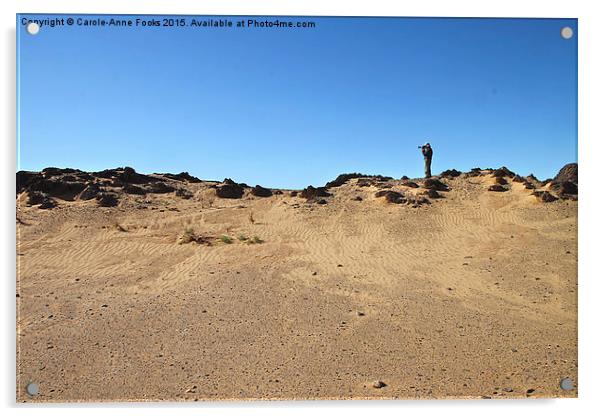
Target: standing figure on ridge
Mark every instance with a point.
(427, 152)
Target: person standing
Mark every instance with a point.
(427, 152)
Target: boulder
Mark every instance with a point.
(89, 192)
(106, 199)
(568, 173)
(544, 196)
(36, 197)
(159, 188)
(450, 173)
(433, 194)
(435, 184)
(24, 179)
(497, 188)
(182, 177)
(183, 193)
(47, 203)
(391, 196)
(474, 172)
(500, 180)
(503, 171)
(410, 184)
(134, 189)
(229, 190)
(565, 189)
(260, 191)
(313, 193)
(56, 187)
(518, 178)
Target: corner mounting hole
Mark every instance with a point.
(32, 389)
(33, 28)
(566, 32)
(567, 384)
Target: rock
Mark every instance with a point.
(358, 198)
(56, 187)
(229, 190)
(450, 173)
(159, 188)
(24, 179)
(261, 191)
(501, 180)
(528, 185)
(565, 190)
(497, 188)
(519, 179)
(404, 178)
(568, 173)
(433, 194)
(106, 199)
(312, 193)
(391, 196)
(345, 177)
(410, 184)
(135, 190)
(36, 197)
(183, 193)
(544, 196)
(435, 184)
(293, 193)
(474, 172)
(378, 384)
(277, 192)
(183, 177)
(342, 179)
(50, 171)
(89, 192)
(532, 178)
(321, 201)
(503, 171)
(47, 203)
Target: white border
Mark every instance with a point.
(590, 68)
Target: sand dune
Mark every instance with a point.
(469, 295)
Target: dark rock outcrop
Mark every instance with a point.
(159, 188)
(182, 177)
(313, 193)
(433, 194)
(229, 189)
(106, 199)
(568, 173)
(391, 196)
(36, 197)
(410, 184)
(565, 190)
(89, 192)
(450, 173)
(544, 196)
(503, 171)
(260, 191)
(345, 177)
(47, 203)
(497, 188)
(500, 180)
(435, 184)
(183, 193)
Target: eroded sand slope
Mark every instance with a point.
(473, 295)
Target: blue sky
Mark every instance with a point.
(293, 107)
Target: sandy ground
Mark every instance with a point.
(472, 296)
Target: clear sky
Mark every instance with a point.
(298, 106)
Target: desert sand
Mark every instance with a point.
(472, 294)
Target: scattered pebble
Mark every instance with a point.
(378, 384)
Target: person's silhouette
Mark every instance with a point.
(427, 152)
